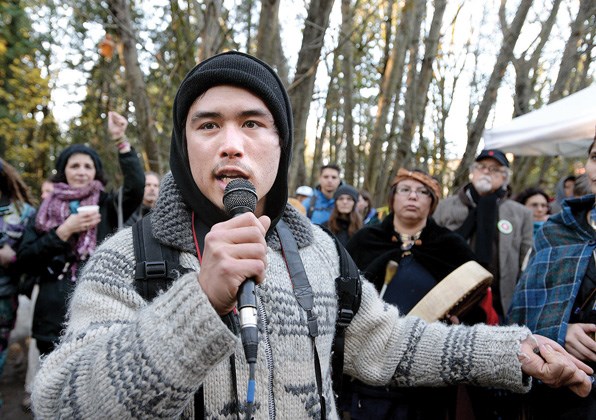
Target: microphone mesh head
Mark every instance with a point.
(240, 196)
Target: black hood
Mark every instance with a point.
(247, 72)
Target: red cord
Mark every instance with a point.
(194, 235)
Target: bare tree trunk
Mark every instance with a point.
(283, 70)
(391, 78)
(490, 95)
(269, 47)
(571, 55)
(135, 83)
(248, 5)
(570, 63)
(211, 33)
(443, 100)
(185, 37)
(301, 88)
(268, 31)
(584, 78)
(526, 75)
(526, 69)
(417, 97)
(402, 153)
(404, 140)
(384, 178)
(335, 139)
(332, 98)
(347, 88)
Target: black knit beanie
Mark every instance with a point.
(78, 149)
(346, 189)
(243, 71)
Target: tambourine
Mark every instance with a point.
(455, 294)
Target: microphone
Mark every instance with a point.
(240, 197)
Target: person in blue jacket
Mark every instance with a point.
(320, 205)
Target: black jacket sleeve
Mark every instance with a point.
(133, 188)
(37, 249)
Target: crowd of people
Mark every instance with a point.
(110, 349)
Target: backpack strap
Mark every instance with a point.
(157, 265)
(311, 204)
(348, 288)
(349, 291)
(119, 210)
(305, 297)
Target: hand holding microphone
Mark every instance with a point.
(240, 197)
(234, 259)
(234, 251)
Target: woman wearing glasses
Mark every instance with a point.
(422, 254)
(536, 200)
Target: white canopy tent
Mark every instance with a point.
(565, 128)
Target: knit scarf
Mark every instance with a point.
(55, 210)
(482, 219)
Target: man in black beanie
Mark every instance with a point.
(178, 355)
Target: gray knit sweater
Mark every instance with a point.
(121, 357)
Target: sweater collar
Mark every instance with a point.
(171, 221)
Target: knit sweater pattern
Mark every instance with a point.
(122, 357)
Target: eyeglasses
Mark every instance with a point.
(541, 205)
(493, 170)
(406, 191)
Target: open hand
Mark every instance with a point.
(546, 360)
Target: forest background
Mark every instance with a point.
(374, 85)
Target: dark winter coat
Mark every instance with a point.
(47, 254)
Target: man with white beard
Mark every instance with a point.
(499, 230)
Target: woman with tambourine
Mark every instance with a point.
(406, 256)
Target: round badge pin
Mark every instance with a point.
(505, 226)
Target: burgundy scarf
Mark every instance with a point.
(56, 208)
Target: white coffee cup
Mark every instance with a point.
(88, 209)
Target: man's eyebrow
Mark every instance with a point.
(256, 112)
(198, 115)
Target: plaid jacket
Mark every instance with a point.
(544, 296)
